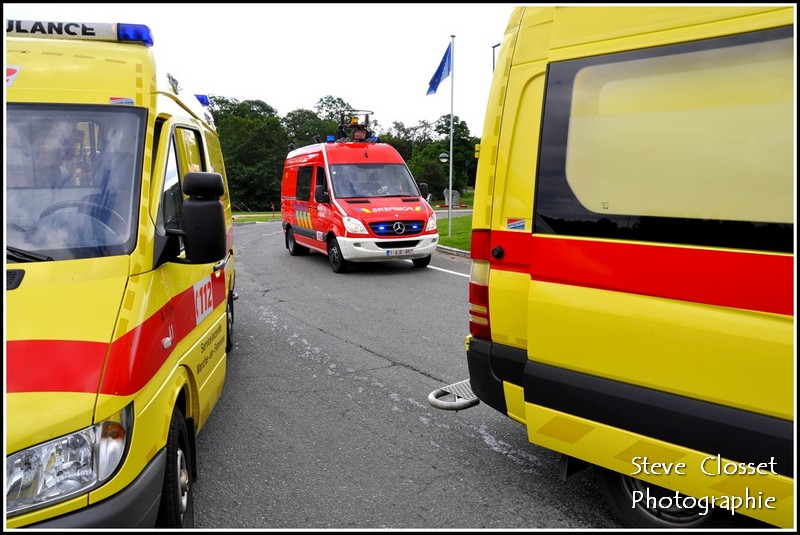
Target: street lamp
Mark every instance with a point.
(444, 158)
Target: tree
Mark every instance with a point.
(407, 140)
(426, 168)
(304, 126)
(254, 145)
(465, 165)
(330, 109)
(221, 106)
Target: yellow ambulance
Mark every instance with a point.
(119, 279)
(632, 284)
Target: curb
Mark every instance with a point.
(452, 251)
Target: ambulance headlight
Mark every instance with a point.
(354, 226)
(431, 223)
(67, 466)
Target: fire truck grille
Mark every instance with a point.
(397, 228)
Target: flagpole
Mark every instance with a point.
(452, 86)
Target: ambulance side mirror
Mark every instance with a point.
(204, 229)
(320, 195)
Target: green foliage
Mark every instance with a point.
(330, 108)
(426, 167)
(455, 232)
(304, 127)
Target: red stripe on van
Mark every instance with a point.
(746, 280)
(75, 365)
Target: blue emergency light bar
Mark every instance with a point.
(135, 33)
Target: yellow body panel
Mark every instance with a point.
(632, 338)
(617, 450)
(672, 348)
(85, 278)
(130, 329)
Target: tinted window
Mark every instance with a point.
(691, 144)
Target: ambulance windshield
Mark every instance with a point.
(71, 179)
(372, 180)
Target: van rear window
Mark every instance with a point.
(689, 143)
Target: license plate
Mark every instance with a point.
(399, 252)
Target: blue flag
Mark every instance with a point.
(444, 70)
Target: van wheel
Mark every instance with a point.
(422, 262)
(338, 263)
(294, 248)
(229, 323)
(177, 497)
(618, 490)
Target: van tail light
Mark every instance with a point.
(479, 325)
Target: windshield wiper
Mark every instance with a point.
(21, 255)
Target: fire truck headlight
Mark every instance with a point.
(67, 466)
(354, 226)
(431, 223)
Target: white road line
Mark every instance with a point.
(451, 272)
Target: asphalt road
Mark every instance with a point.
(324, 421)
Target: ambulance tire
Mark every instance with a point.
(294, 248)
(422, 262)
(229, 323)
(338, 263)
(177, 495)
(618, 490)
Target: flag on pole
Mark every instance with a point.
(444, 70)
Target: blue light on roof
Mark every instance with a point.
(331, 138)
(135, 32)
(204, 100)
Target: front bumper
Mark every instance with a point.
(134, 507)
(377, 250)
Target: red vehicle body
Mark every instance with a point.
(355, 200)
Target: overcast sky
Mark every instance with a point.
(377, 57)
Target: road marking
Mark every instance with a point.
(448, 271)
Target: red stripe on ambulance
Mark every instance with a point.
(40, 365)
(745, 280)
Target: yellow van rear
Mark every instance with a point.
(632, 285)
(120, 279)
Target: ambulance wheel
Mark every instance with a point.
(177, 495)
(422, 262)
(619, 489)
(292, 245)
(338, 263)
(229, 323)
